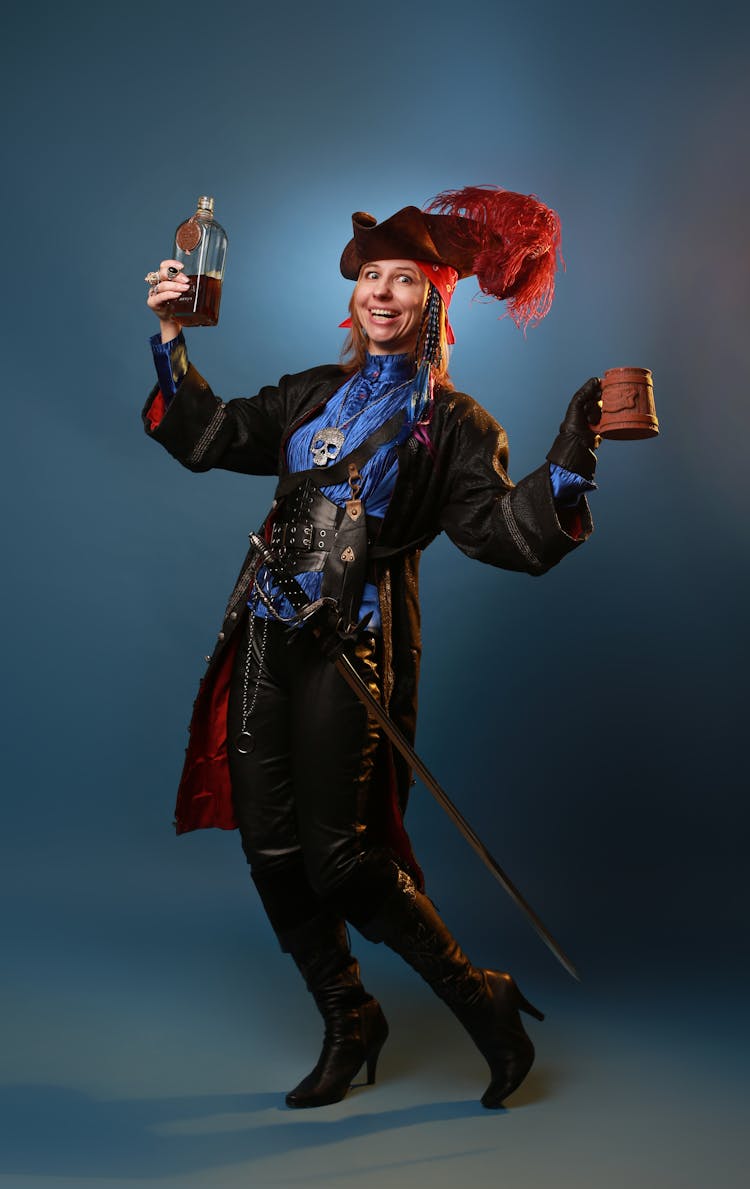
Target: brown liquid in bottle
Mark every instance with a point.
(199, 304)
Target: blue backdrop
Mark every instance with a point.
(625, 818)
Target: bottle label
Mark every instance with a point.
(188, 235)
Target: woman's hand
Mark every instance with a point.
(169, 283)
(577, 440)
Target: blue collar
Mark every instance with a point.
(391, 369)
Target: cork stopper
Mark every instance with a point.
(206, 204)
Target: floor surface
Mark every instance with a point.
(165, 1065)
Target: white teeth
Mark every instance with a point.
(383, 313)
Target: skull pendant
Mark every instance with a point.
(326, 446)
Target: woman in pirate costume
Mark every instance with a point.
(374, 458)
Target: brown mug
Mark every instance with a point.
(628, 410)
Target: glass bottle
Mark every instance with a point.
(200, 244)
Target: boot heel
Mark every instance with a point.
(372, 1065)
(380, 1027)
(506, 988)
(524, 1005)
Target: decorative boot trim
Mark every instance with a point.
(422, 939)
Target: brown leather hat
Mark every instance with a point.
(412, 234)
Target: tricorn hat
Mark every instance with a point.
(509, 241)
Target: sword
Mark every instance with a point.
(352, 678)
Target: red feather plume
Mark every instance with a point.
(517, 241)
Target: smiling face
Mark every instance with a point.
(389, 299)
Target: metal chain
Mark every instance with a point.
(247, 711)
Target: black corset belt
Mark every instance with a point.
(305, 529)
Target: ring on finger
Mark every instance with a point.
(152, 278)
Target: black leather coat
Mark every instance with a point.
(458, 485)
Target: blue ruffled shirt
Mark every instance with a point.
(362, 404)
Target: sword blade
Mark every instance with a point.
(359, 687)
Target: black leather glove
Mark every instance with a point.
(574, 446)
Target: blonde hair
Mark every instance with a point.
(354, 351)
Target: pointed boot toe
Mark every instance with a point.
(500, 1036)
(508, 1070)
(353, 1039)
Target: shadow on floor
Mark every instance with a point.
(54, 1130)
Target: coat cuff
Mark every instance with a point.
(542, 532)
(188, 426)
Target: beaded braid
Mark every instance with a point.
(430, 356)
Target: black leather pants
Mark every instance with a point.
(301, 794)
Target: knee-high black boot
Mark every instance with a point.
(487, 1002)
(355, 1027)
